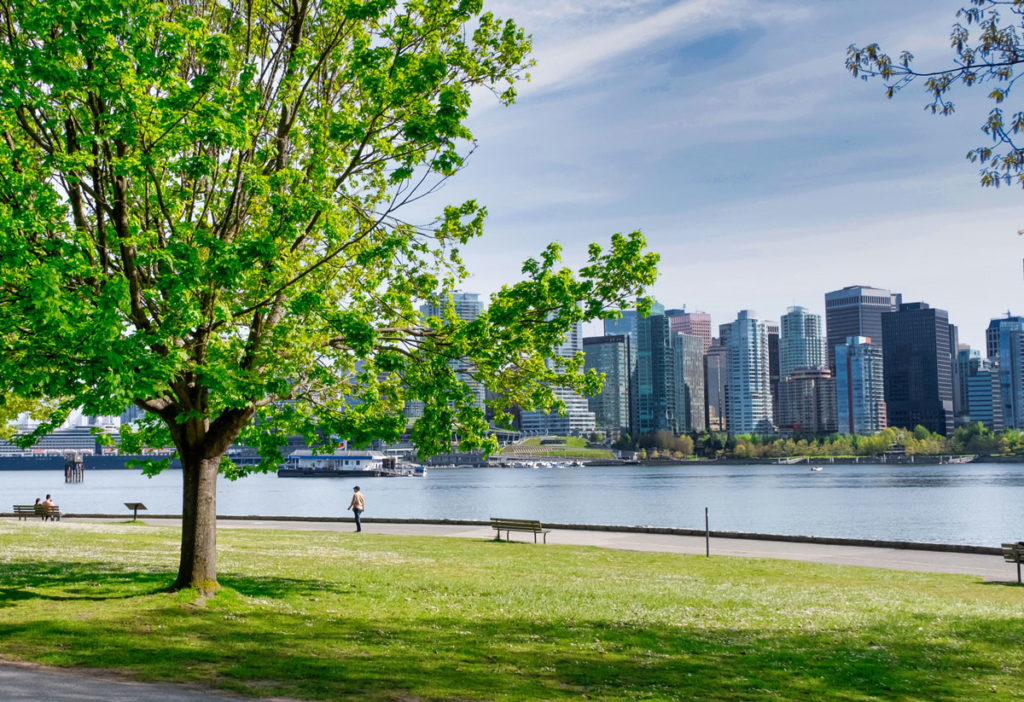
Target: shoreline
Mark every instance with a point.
(603, 528)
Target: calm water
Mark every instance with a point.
(968, 504)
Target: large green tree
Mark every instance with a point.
(201, 215)
(988, 46)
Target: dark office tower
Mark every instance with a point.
(689, 381)
(610, 355)
(655, 377)
(959, 402)
(918, 368)
(773, 368)
(856, 310)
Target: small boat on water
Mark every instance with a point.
(816, 468)
(346, 464)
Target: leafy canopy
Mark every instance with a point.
(200, 214)
(988, 45)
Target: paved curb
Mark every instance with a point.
(671, 531)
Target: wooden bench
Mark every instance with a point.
(41, 511)
(1014, 553)
(527, 525)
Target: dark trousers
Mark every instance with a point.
(357, 513)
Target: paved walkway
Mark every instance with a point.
(31, 683)
(988, 567)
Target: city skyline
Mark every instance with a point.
(731, 134)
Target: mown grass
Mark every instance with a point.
(330, 616)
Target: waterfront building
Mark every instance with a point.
(856, 310)
(466, 307)
(67, 439)
(655, 377)
(716, 366)
(808, 401)
(918, 368)
(968, 361)
(774, 374)
(694, 323)
(688, 351)
(860, 387)
(984, 399)
(610, 355)
(992, 334)
(1011, 371)
(801, 344)
(749, 407)
(577, 419)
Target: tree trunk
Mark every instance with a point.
(198, 565)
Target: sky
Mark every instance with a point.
(730, 133)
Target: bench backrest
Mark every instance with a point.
(516, 523)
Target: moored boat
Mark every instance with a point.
(345, 464)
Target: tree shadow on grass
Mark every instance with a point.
(257, 640)
(66, 581)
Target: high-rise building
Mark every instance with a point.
(808, 401)
(856, 310)
(628, 322)
(1011, 372)
(694, 323)
(860, 387)
(774, 375)
(578, 419)
(689, 381)
(748, 390)
(655, 377)
(992, 334)
(716, 368)
(918, 368)
(466, 307)
(801, 344)
(968, 361)
(984, 399)
(610, 355)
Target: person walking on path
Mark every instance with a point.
(357, 505)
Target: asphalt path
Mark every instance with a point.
(29, 683)
(23, 682)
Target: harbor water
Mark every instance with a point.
(977, 503)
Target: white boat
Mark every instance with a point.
(816, 468)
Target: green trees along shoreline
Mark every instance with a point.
(973, 439)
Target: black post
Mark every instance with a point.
(707, 535)
(135, 512)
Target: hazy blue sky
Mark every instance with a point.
(730, 133)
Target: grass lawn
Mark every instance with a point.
(329, 616)
(567, 441)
